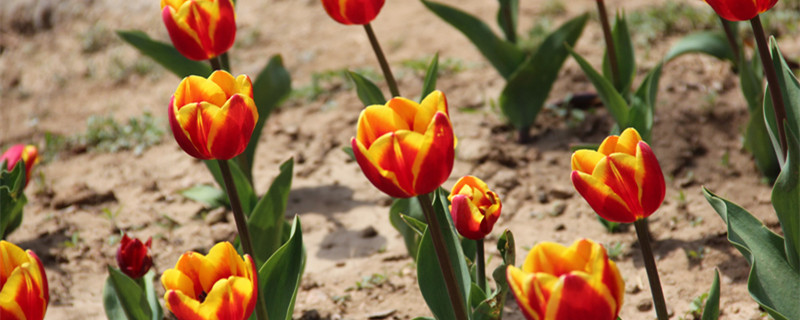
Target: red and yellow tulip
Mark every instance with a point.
(740, 10)
(220, 285)
(406, 148)
(28, 154)
(200, 29)
(23, 284)
(622, 180)
(213, 118)
(133, 256)
(474, 207)
(353, 11)
(564, 283)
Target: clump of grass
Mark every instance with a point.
(670, 18)
(105, 134)
(325, 84)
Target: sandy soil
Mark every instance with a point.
(60, 63)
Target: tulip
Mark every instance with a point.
(353, 11)
(404, 148)
(622, 180)
(560, 283)
(133, 256)
(23, 284)
(200, 29)
(740, 10)
(28, 154)
(220, 285)
(213, 118)
(474, 207)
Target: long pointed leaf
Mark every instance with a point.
(267, 219)
(528, 88)
(626, 58)
(507, 16)
(503, 55)
(430, 77)
(611, 98)
(165, 54)
(279, 277)
(772, 282)
(713, 43)
(711, 310)
(643, 105)
(786, 199)
(367, 91)
(790, 88)
(131, 296)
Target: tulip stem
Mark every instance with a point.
(772, 80)
(215, 63)
(387, 72)
(726, 26)
(481, 265)
(652, 272)
(445, 264)
(241, 226)
(611, 50)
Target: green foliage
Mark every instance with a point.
(773, 282)
(626, 58)
(12, 197)
(712, 43)
(165, 54)
(279, 277)
(658, 21)
(368, 92)
(406, 217)
(133, 299)
(213, 197)
(711, 309)
(138, 134)
(429, 85)
(266, 222)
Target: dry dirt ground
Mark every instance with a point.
(60, 63)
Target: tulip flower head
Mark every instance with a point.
(23, 284)
(740, 10)
(474, 207)
(28, 154)
(563, 283)
(200, 29)
(353, 11)
(213, 118)
(133, 256)
(622, 180)
(406, 148)
(220, 285)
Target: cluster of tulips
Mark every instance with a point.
(406, 149)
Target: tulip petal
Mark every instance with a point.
(578, 296)
(377, 120)
(467, 218)
(585, 160)
(183, 38)
(434, 162)
(650, 178)
(183, 306)
(179, 281)
(24, 292)
(195, 121)
(198, 89)
(527, 293)
(618, 171)
(231, 127)
(627, 141)
(228, 299)
(609, 145)
(602, 198)
(740, 10)
(369, 161)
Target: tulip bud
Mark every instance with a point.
(200, 29)
(133, 256)
(622, 180)
(353, 11)
(220, 285)
(474, 207)
(740, 10)
(28, 154)
(406, 148)
(564, 283)
(24, 293)
(213, 118)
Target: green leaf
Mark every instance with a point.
(790, 89)
(367, 91)
(111, 303)
(611, 98)
(712, 43)
(711, 310)
(131, 296)
(772, 282)
(152, 298)
(507, 16)
(643, 105)
(211, 196)
(246, 194)
(757, 142)
(503, 55)
(406, 217)
(429, 273)
(527, 89)
(267, 219)
(272, 85)
(430, 77)
(165, 54)
(12, 197)
(626, 58)
(786, 199)
(279, 278)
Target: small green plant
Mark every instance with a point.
(371, 281)
(616, 250)
(695, 255)
(73, 241)
(669, 18)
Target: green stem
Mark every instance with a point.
(215, 63)
(241, 226)
(225, 61)
(387, 72)
(444, 259)
(652, 272)
(726, 26)
(610, 48)
(772, 80)
(481, 265)
(511, 33)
